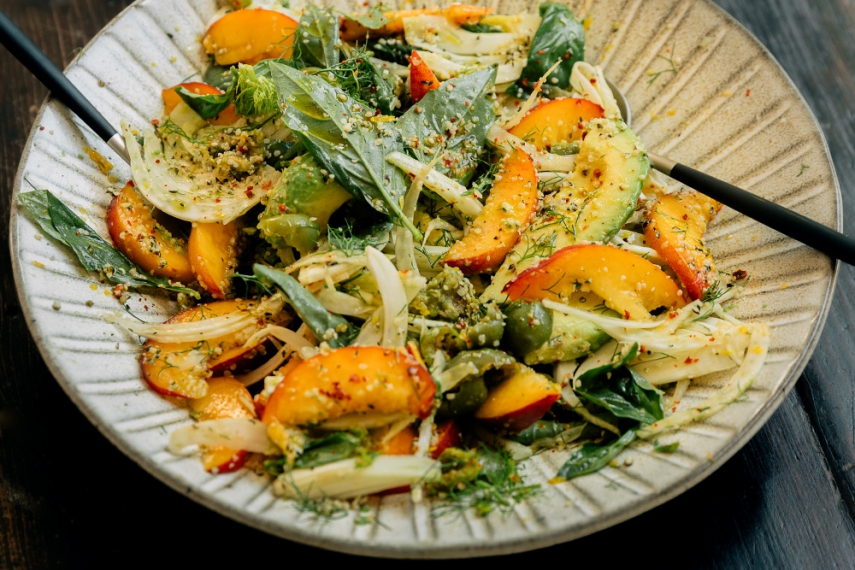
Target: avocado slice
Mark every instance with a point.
(300, 206)
(591, 205)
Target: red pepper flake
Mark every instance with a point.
(41, 128)
(131, 183)
(248, 192)
(747, 92)
(740, 274)
(690, 360)
(281, 208)
(626, 315)
(541, 52)
(155, 122)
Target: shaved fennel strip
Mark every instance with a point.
(596, 91)
(451, 191)
(235, 433)
(531, 101)
(204, 328)
(503, 141)
(404, 256)
(345, 479)
(735, 388)
(344, 304)
(287, 336)
(371, 420)
(394, 298)
(267, 368)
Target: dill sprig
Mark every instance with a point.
(672, 68)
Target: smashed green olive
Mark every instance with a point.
(484, 359)
(486, 334)
(528, 326)
(471, 395)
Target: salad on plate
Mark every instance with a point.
(412, 249)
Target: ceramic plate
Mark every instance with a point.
(728, 109)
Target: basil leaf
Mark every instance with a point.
(482, 28)
(592, 457)
(559, 38)
(670, 448)
(316, 39)
(333, 127)
(392, 50)
(453, 119)
(622, 391)
(219, 76)
(95, 254)
(207, 106)
(334, 329)
(335, 447)
(540, 430)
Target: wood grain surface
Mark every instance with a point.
(68, 499)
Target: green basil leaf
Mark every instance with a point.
(482, 28)
(334, 329)
(333, 127)
(453, 119)
(335, 447)
(95, 254)
(559, 38)
(540, 430)
(207, 106)
(316, 43)
(670, 448)
(592, 457)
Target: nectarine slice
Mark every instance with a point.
(557, 121)
(674, 226)
(249, 36)
(519, 401)
(144, 241)
(628, 284)
(448, 434)
(181, 369)
(351, 380)
(226, 398)
(507, 212)
(213, 251)
(422, 79)
(171, 99)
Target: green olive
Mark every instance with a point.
(471, 395)
(528, 326)
(484, 359)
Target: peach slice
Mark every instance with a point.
(497, 228)
(519, 401)
(674, 226)
(422, 79)
(352, 379)
(171, 99)
(213, 252)
(226, 398)
(557, 121)
(352, 30)
(249, 36)
(628, 284)
(182, 369)
(144, 241)
(401, 443)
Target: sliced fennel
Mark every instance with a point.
(234, 433)
(438, 33)
(394, 298)
(452, 192)
(166, 182)
(445, 66)
(589, 82)
(345, 479)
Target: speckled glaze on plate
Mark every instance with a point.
(729, 110)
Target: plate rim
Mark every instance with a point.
(352, 546)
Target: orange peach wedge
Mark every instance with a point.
(422, 79)
(557, 121)
(497, 228)
(213, 251)
(674, 226)
(182, 369)
(628, 284)
(249, 36)
(144, 241)
(226, 398)
(519, 401)
(351, 380)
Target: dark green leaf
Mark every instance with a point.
(390, 49)
(219, 76)
(316, 43)
(95, 254)
(335, 447)
(670, 448)
(540, 430)
(334, 329)
(352, 239)
(461, 112)
(207, 106)
(592, 457)
(559, 38)
(622, 391)
(333, 127)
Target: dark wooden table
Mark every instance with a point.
(68, 499)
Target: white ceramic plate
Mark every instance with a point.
(729, 110)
